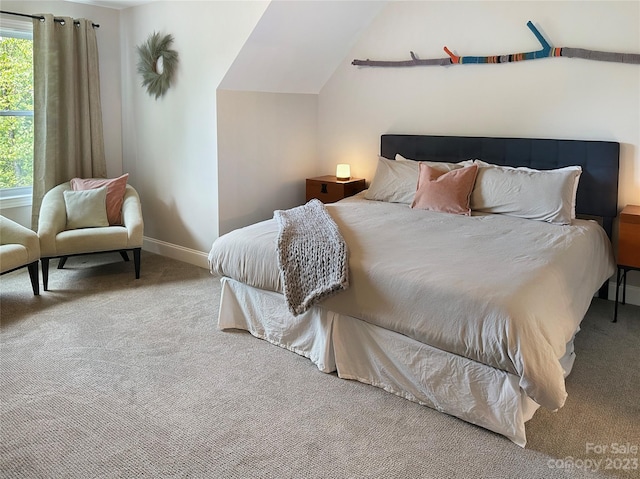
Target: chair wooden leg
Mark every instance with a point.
(136, 261)
(62, 261)
(124, 255)
(45, 273)
(33, 275)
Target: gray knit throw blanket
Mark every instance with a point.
(312, 255)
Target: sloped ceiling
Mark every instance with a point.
(297, 45)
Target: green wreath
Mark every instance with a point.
(154, 49)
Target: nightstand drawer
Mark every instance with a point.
(629, 244)
(328, 189)
(629, 237)
(326, 192)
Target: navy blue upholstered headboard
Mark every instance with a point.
(598, 187)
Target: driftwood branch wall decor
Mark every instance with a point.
(546, 51)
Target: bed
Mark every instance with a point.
(470, 314)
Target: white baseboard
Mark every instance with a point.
(191, 256)
(633, 293)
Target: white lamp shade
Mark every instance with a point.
(343, 172)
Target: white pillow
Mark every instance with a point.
(543, 195)
(439, 165)
(87, 208)
(394, 181)
(577, 169)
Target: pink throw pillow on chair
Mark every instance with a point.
(447, 192)
(115, 193)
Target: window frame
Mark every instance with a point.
(22, 195)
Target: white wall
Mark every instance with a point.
(545, 98)
(266, 148)
(109, 50)
(170, 144)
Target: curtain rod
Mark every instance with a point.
(59, 20)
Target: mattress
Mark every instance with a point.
(502, 291)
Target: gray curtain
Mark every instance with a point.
(68, 136)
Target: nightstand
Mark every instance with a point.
(628, 249)
(329, 189)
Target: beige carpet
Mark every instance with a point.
(106, 376)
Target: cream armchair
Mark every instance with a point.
(19, 247)
(58, 242)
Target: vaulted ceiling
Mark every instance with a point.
(297, 45)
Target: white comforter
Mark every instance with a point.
(500, 290)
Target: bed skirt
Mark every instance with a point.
(474, 392)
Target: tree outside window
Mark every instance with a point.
(16, 112)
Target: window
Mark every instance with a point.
(16, 113)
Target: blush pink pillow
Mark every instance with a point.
(447, 192)
(115, 193)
